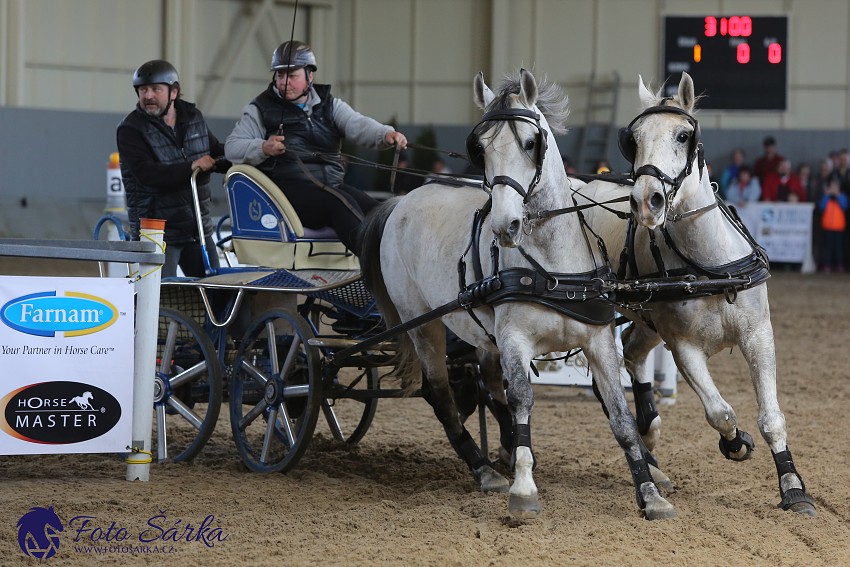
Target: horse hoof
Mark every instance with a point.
(523, 507)
(659, 509)
(804, 508)
(491, 481)
(661, 480)
(796, 500)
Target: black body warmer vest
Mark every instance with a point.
(315, 138)
(175, 207)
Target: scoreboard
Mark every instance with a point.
(739, 62)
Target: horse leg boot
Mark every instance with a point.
(650, 502)
(638, 342)
(759, 352)
(442, 402)
(523, 501)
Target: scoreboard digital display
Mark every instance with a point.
(739, 62)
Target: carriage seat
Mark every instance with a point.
(266, 230)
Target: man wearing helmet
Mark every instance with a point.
(160, 143)
(307, 167)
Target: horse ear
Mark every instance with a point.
(528, 87)
(686, 93)
(647, 98)
(481, 93)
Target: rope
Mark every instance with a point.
(133, 460)
(135, 276)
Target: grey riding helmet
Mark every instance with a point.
(292, 55)
(154, 72)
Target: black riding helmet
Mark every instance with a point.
(292, 55)
(157, 72)
(153, 72)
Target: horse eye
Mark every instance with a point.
(529, 145)
(682, 137)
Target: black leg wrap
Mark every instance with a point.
(640, 474)
(469, 451)
(522, 438)
(644, 405)
(742, 438)
(599, 396)
(784, 465)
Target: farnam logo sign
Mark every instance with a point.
(45, 314)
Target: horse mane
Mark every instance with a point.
(551, 100)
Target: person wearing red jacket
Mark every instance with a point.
(783, 185)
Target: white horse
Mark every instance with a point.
(410, 259)
(702, 290)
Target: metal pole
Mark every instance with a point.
(147, 321)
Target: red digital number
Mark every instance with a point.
(743, 53)
(774, 53)
(740, 26)
(710, 26)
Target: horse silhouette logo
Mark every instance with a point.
(38, 532)
(83, 401)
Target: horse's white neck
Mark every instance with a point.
(705, 236)
(557, 242)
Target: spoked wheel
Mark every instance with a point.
(351, 406)
(275, 392)
(187, 387)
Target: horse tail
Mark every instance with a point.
(405, 362)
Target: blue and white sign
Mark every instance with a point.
(66, 349)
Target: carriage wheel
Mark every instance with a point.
(341, 410)
(187, 388)
(275, 392)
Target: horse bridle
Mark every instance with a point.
(628, 147)
(475, 151)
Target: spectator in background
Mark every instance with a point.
(744, 189)
(730, 174)
(815, 191)
(804, 175)
(817, 183)
(768, 162)
(841, 166)
(833, 208)
(782, 185)
(602, 166)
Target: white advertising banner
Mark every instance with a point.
(784, 229)
(66, 350)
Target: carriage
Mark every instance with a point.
(296, 334)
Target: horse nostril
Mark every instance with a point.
(656, 202)
(513, 229)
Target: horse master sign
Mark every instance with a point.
(66, 347)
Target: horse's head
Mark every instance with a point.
(663, 145)
(513, 157)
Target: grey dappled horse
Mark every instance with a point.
(411, 251)
(697, 240)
